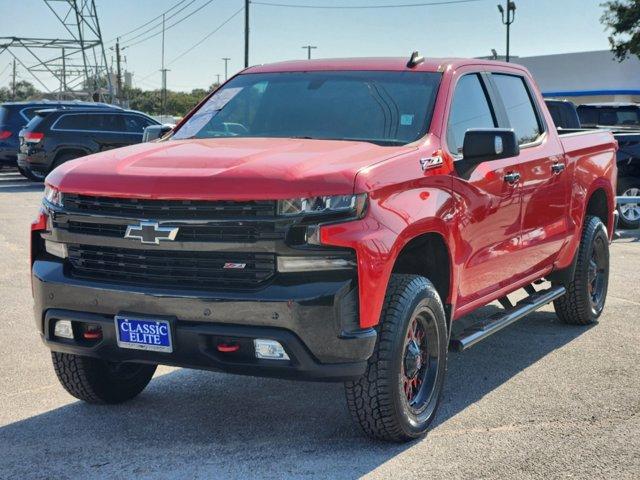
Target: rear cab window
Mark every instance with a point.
(609, 116)
(519, 107)
(470, 108)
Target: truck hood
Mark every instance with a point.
(223, 169)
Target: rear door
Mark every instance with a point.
(544, 181)
(488, 201)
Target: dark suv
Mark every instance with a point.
(15, 115)
(613, 114)
(53, 137)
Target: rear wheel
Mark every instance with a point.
(98, 381)
(629, 213)
(397, 397)
(586, 294)
(31, 175)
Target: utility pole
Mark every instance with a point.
(13, 81)
(309, 48)
(246, 33)
(119, 72)
(226, 73)
(507, 20)
(63, 87)
(218, 80)
(163, 92)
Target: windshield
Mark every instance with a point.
(386, 108)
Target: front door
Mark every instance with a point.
(488, 202)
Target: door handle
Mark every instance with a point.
(512, 178)
(557, 168)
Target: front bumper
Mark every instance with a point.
(313, 317)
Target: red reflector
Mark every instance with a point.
(33, 136)
(92, 333)
(4, 134)
(226, 348)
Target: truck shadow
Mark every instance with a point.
(191, 424)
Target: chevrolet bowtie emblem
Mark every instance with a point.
(151, 232)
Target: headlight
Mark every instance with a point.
(355, 204)
(52, 196)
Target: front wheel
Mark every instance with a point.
(98, 381)
(397, 397)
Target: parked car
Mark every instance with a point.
(54, 137)
(15, 115)
(613, 114)
(628, 158)
(351, 214)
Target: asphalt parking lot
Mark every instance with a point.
(539, 399)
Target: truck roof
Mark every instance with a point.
(609, 104)
(374, 63)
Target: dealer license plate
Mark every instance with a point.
(143, 334)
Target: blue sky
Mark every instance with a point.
(463, 30)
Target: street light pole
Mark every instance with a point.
(246, 33)
(226, 72)
(508, 18)
(308, 48)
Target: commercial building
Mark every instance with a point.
(585, 77)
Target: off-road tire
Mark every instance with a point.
(375, 400)
(576, 307)
(96, 381)
(628, 184)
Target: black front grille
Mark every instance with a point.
(240, 232)
(162, 209)
(167, 268)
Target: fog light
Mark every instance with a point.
(313, 264)
(269, 349)
(63, 329)
(56, 249)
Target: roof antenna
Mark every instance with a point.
(415, 60)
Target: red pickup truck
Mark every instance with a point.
(326, 220)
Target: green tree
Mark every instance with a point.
(622, 18)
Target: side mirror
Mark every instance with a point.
(154, 132)
(484, 145)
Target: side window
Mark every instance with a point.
(72, 122)
(111, 122)
(519, 107)
(135, 123)
(469, 109)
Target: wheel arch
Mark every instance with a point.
(427, 254)
(599, 205)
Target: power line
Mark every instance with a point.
(152, 20)
(362, 7)
(207, 36)
(173, 24)
(159, 24)
(142, 79)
